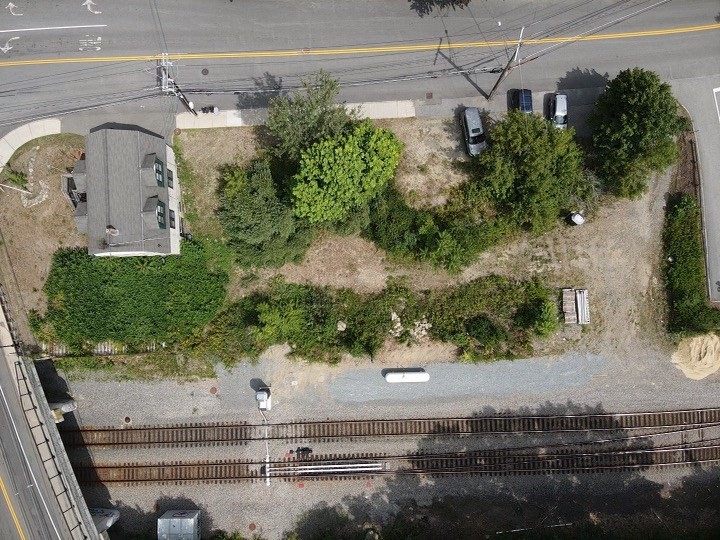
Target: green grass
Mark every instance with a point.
(142, 367)
(685, 276)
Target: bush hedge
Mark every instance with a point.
(486, 318)
(131, 300)
(685, 276)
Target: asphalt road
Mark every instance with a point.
(380, 49)
(28, 509)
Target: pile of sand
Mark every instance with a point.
(698, 357)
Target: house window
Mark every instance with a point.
(160, 213)
(159, 173)
(170, 178)
(172, 217)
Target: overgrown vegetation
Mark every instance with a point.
(530, 176)
(685, 269)
(131, 300)
(342, 174)
(635, 122)
(308, 116)
(144, 367)
(486, 318)
(262, 230)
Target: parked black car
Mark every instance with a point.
(521, 98)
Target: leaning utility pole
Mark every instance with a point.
(508, 67)
(168, 85)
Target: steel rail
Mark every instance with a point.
(498, 463)
(241, 433)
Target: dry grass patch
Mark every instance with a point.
(34, 226)
(432, 159)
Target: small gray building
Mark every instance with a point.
(125, 194)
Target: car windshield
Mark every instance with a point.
(560, 119)
(477, 139)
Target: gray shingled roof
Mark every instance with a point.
(118, 190)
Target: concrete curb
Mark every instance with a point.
(257, 117)
(25, 133)
(703, 225)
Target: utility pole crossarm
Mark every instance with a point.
(508, 67)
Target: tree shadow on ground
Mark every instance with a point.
(589, 505)
(582, 78)
(265, 89)
(426, 7)
(137, 523)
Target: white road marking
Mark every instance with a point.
(53, 28)
(7, 46)
(717, 107)
(90, 4)
(90, 44)
(11, 7)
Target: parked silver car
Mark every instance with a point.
(559, 111)
(473, 132)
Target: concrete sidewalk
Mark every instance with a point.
(26, 133)
(581, 102)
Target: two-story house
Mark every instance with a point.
(125, 193)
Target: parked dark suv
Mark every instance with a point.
(522, 99)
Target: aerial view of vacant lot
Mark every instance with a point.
(399, 270)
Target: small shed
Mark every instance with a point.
(179, 525)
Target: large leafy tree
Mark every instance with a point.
(344, 173)
(258, 225)
(309, 116)
(635, 121)
(530, 173)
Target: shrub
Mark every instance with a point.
(685, 269)
(320, 324)
(635, 121)
(261, 229)
(343, 173)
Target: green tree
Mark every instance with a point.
(634, 121)
(258, 226)
(300, 120)
(340, 174)
(530, 173)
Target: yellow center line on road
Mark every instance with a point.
(12, 511)
(358, 50)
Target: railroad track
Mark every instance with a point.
(486, 463)
(194, 434)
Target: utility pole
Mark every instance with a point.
(168, 85)
(508, 67)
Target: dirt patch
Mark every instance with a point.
(686, 178)
(698, 357)
(341, 262)
(207, 150)
(432, 161)
(34, 226)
